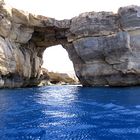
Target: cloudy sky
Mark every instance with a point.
(56, 58)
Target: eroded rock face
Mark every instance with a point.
(104, 47)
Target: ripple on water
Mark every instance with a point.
(70, 113)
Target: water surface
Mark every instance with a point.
(70, 113)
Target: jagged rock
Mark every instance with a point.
(19, 17)
(35, 21)
(129, 17)
(5, 26)
(104, 47)
(20, 34)
(93, 24)
(50, 78)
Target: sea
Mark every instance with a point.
(70, 113)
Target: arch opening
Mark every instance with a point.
(57, 67)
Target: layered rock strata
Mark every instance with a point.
(104, 47)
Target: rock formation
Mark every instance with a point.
(104, 47)
(53, 78)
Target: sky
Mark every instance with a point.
(56, 58)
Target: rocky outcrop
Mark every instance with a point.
(104, 47)
(23, 38)
(52, 78)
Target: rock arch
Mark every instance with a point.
(104, 47)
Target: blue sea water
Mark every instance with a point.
(70, 113)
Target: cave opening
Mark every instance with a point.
(57, 66)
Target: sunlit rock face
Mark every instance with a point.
(104, 47)
(23, 39)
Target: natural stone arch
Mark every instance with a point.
(57, 67)
(103, 46)
(56, 59)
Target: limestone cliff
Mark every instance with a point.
(104, 47)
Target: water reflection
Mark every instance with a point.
(57, 96)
